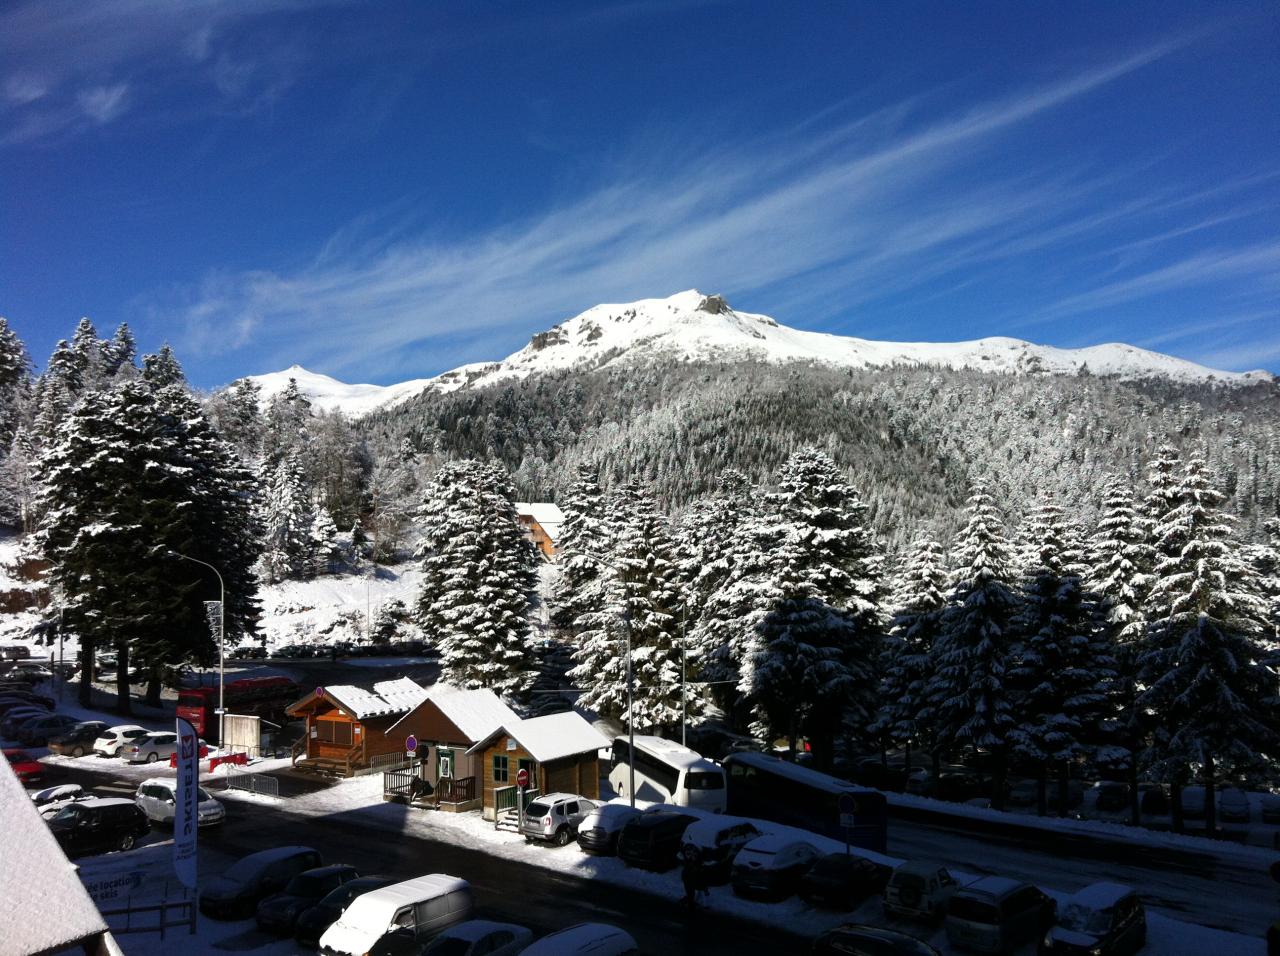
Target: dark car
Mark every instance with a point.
(771, 867)
(841, 881)
(599, 831)
(313, 921)
(854, 940)
(717, 840)
(18, 716)
(652, 840)
(36, 733)
(77, 741)
(12, 694)
(99, 824)
(237, 892)
(279, 913)
(1105, 919)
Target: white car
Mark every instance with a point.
(113, 738)
(159, 745)
(480, 937)
(158, 799)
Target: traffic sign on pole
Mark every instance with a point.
(522, 778)
(410, 744)
(848, 807)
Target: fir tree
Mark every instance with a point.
(86, 354)
(975, 645)
(163, 369)
(119, 353)
(583, 533)
(15, 363)
(1206, 663)
(287, 521)
(323, 545)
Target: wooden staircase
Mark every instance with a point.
(510, 820)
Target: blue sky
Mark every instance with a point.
(383, 190)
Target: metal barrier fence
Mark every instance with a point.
(384, 762)
(252, 782)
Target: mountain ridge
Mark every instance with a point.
(691, 326)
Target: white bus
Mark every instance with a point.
(667, 773)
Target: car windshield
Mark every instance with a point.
(538, 809)
(307, 884)
(204, 795)
(909, 881)
(973, 911)
(704, 781)
(66, 814)
(18, 756)
(1081, 919)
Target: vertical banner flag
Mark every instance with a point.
(186, 811)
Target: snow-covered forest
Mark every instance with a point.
(1045, 568)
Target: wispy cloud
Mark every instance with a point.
(824, 222)
(102, 104)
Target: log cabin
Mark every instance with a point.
(347, 726)
(560, 751)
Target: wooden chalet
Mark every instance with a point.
(542, 521)
(560, 751)
(446, 725)
(347, 726)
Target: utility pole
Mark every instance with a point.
(222, 634)
(684, 684)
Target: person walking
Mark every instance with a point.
(690, 876)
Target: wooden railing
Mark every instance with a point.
(352, 755)
(299, 747)
(505, 798)
(456, 790)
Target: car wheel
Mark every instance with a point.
(127, 841)
(77, 751)
(152, 757)
(563, 836)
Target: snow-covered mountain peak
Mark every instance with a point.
(693, 326)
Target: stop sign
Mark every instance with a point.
(522, 778)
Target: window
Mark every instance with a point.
(334, 732)
(429, 911)
(500, 769)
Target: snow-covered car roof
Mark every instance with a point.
(121, 728)
(63, 791)
(992, 886)
(1100, 896)
(550, 737)
(474, 930)
(703, 832)
(567, 940)
(771, 843)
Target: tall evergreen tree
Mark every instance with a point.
(287, 518)
(584, 537)
(119, 353)
(163, 369)
(974, 649)
(1206, 664)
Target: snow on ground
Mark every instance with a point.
(333, 607)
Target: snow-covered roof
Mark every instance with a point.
(401, 692)
(36, 877)
(550, 737)
(573, 939)
(1101, 896)
(548, 515)
(476, 713)
(388, 697)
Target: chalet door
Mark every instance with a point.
(445, 757)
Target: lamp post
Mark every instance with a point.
(631, 724)
(222, 634)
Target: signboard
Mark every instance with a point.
(213, 614)
(123, 879)
(847, 820)
(411, 744)
(522, 778)
(187, 801)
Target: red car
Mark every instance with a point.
(26, 768)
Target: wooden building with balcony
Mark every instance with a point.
(347, 726)
(560, 751)
(541, 521)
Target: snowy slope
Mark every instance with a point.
(691, 326)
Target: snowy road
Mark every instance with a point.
(1196, 887)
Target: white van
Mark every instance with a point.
(666, 772)
(417, 909)
(595, 939)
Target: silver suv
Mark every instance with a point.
(555, 817)
(919, 891)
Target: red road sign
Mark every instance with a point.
(522, 778)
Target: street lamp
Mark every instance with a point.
(222, 633)
(631, 724)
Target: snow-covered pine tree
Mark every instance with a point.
(1064, 667)
(1119, 573)
(163, 369)
(479, 577)
(236, 413)
(119, 353)
(1205, 667)
(324, 546)
(584, 532)
(15, 363)
(65, 370)
(975, 645)
(86, 354)
(286, 424)
(287, 519)
(920, 593)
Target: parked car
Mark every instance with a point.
(652, 840)
(17, 717)
(158, 798)
(480, 937)
(36, 733)
(399, 918)
(237, 892)
(599, 830)
(313, 921)
(1153, 799)
(25, 767)
(596, 939)
(113, 738)
(771, 866)
(151, 747)
(1104, 919)
(13, 694)
(1110, 796)
(854, 940)
(1271, 808)
(919, 890)
(842, 880)
(78, 740)
(996, 914)
(279, 912)
(52, 799)
(1233, 805)
(555, 817)
(99, 824)
(717, 841)
(1193, 803)
(32, 671)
